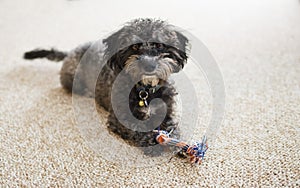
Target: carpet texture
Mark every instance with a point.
(256, 45)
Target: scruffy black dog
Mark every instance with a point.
(149, 51)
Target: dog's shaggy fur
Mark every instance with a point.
(147, 50)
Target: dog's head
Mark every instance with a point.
(148, 50)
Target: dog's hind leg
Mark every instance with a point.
(70, 68)
(70, 65)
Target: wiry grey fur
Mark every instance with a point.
(141, 47)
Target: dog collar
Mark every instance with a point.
(144, 92)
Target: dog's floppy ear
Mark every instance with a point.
(113, 43)
(183, 41)
(112, 48)
(181, 52)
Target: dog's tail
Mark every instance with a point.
(53, 54)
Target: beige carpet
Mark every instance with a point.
(257, 47)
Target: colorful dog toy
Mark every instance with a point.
(195, 152)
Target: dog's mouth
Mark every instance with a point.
(150, 79)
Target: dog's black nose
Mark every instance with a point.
(148, 63)
(150, 67)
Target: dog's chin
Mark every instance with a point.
(150, 79)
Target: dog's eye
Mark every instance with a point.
(159, 46)
(135, 47)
